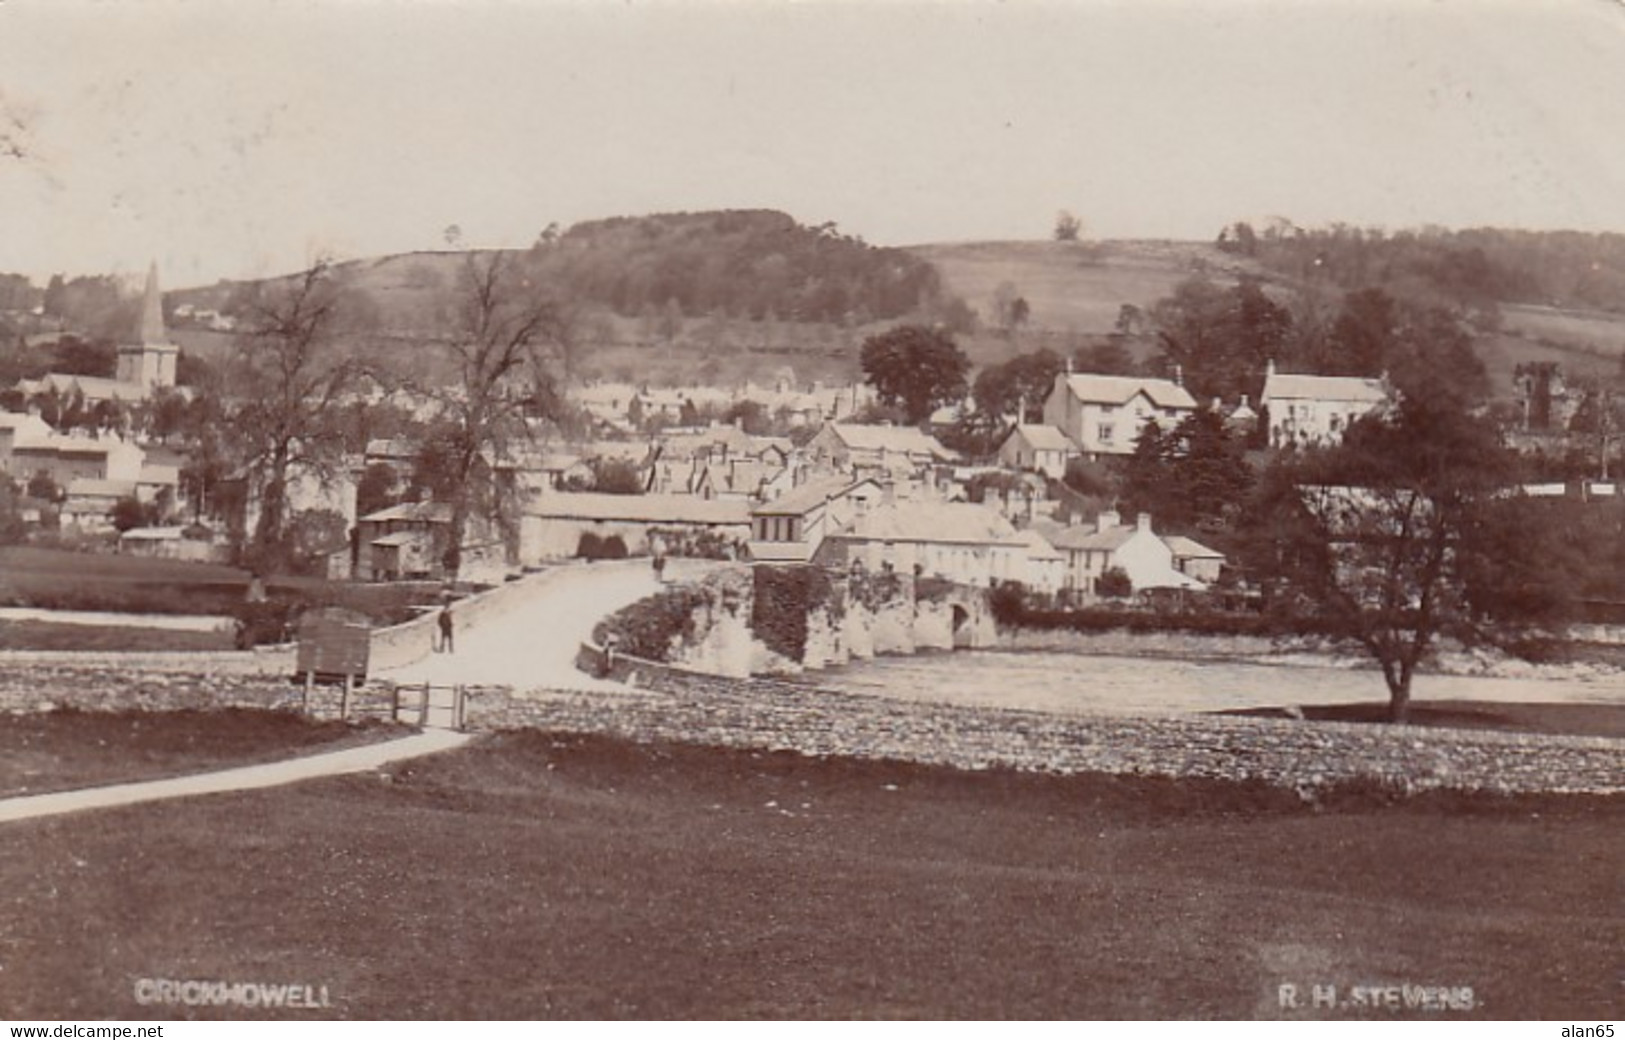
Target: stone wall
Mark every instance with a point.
(262, 660)
(668, 704)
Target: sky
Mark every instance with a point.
(242, 139)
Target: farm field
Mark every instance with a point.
(64, 750)
(59, 579)
(543, 876)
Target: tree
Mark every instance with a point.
(615, 477)
(1404, 534)
(501, 327)
(916, 368)
(1067, 227)
(1017, 387)
(290, 373)
(1220, 338)
(1010, 308)
(129, 513)
(377, 489)
(1114, 583)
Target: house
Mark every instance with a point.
(1306, 410)
(1091, 550)
(959, 542)
(553, 524)
(877, 451)
(1041, 449)
(791, 528)
(1036, 564)
(1103, 415)
(409, 541)
(1195, 559)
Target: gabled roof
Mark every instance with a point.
(1280, 386)
(1038, 547)
(1099, 389)
(904, 440)
(951, 522)
(1190, 549)
(643, 509)
(809, 496)
(1086, 536)
(1041, 437)
(423, 512)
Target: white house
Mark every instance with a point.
(1147, 559)
(1306, 410)
(1103, 415)
(960, 542)
(1042, 449)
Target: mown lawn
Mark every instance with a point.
(531, 876)
(62, 750)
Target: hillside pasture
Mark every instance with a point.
(1074, 286)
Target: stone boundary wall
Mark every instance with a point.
(78, 688)
(263, 660)
(669, 704)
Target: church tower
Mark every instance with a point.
(149, 361)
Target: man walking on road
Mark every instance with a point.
(445, 629)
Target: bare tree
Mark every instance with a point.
(290, 374)
(504, 329)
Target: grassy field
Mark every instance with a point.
(531, 876)
(59, 579)
(1587, 720)
(63, 750)
(1074, 286)
(44, 635)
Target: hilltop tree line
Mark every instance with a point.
(755, 264)
(1469, 268)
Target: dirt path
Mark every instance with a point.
(245, 778)
(534, 644)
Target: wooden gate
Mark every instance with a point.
(431, 706)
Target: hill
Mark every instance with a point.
(732, 295)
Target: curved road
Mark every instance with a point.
(533, 644)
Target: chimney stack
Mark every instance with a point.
(1179, 375)
(1142, 522)
(1107, 520)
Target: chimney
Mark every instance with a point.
(1107, 520)
(1269, 368)
(1218, 405)
(888, 492)
(1179, 375)
(1243, 400)
(1142, 522)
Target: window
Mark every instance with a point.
(1104, 432)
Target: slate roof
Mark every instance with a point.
(1043, 438)
(1164, 393)
(809, 496)
(645, 509)
(952, 522)
(1290, 386)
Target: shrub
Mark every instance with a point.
(1114, 582)
(652, 628)
(590, 547)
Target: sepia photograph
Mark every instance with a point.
(926, 510)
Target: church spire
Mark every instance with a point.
(152, 312)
